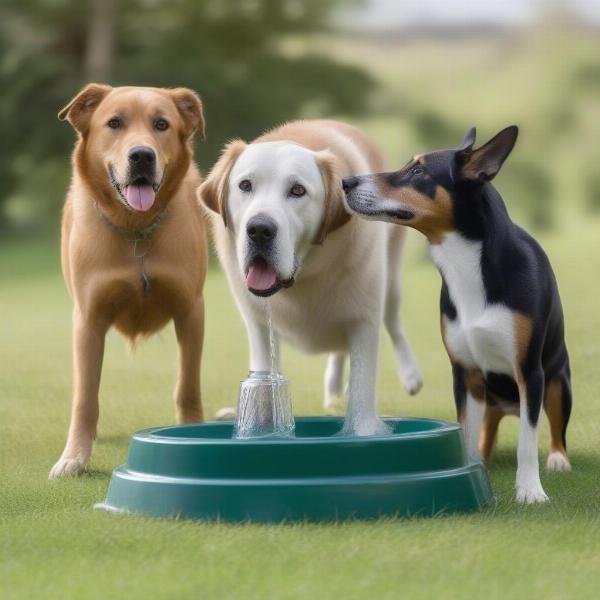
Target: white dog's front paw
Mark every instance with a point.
(473, 455)
(531, 493)
(67, 467)
(557, 461)
(366, 428)
(412, 380)
(333, 404)
(227, 413)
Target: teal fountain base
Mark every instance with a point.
(200, 472)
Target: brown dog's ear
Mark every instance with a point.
(189, 106)
(334, 213)
(484, 163)
(213, 192)
(80, 110)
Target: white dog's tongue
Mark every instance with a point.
(140, 197)
(261, 276)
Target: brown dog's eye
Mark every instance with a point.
(297, 190)
(245, 185)
(161, 124)
(115, 123)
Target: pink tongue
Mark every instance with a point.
(261, 276)
(140, 197)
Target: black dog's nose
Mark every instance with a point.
(261, 229)
(142, 156)
(349, 183)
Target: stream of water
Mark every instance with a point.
(273, 350)
(265, 404)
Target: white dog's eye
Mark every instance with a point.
(245, 185)
(297, 190)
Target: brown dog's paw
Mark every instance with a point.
(67, 467)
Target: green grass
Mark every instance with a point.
(54, 545)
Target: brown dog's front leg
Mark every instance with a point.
(88, 351)
(190, 335)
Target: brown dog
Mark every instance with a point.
(133, 248)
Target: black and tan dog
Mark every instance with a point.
(501, 315)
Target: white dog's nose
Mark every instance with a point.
(261, 230)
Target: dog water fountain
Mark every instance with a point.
(270, 467)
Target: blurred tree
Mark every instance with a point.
(532, 192)
(227, 50)
(587, 76)
(436, 131)
(99, 51)
(592, 192)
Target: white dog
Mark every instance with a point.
(281, 230)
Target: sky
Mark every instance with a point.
(399, 14)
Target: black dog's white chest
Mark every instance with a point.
(482, 335)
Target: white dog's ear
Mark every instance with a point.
(334, 213)
(81, 108)
(213, 192)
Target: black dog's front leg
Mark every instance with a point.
(531, 393)
(460, 391)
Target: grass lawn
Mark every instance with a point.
(54, 545)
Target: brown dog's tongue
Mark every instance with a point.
(261, 276)
(140, 197)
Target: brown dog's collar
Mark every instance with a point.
(135, 236)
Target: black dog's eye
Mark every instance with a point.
(115, 123)
(416, 170)
(161, 124)
(245, 185)
(297, 190)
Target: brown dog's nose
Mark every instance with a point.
(142, 156)
(261, 230)
(349, 183)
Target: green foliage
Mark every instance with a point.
(587, 76)
(259, 62)
(531, 188)
(592, 192)
(227, 50)
(435, 131)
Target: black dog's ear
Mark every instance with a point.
(468, 142)
(484, 163)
